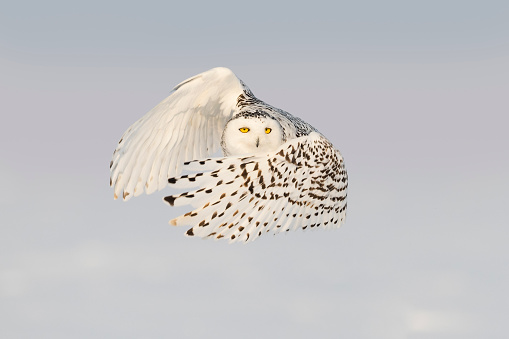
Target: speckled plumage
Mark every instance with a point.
(300, 184)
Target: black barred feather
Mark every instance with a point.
(302, 185)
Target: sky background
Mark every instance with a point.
(413, 93)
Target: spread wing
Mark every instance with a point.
(186, 125)
(302, 185)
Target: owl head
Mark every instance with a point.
(251, 133)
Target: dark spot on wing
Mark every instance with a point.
(170, 200)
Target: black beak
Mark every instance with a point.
(257, 142)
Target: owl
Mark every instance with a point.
(277, 173)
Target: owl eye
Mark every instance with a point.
(268, 130)
(244, 129)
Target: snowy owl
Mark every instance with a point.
(278, 173)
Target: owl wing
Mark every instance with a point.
(187, 125)
(303, 185)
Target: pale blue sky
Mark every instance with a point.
(414, 94)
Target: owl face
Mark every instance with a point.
(250, 135)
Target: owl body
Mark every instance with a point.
(277, 174)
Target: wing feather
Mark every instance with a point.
(186, 125)
(301, 185)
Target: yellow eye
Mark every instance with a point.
(268, 130)
(244, 129)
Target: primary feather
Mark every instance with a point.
(155, 146)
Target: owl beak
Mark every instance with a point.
(257, 142)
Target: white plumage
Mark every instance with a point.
(278, 173)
